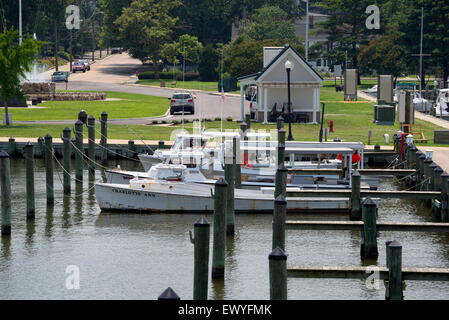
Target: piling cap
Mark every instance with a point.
(4, 154)
(280, 200)
(368, 202)
(104, 114)
(40, 139)
(169, 294)
(29, 145)
(356, 173)
(12, 139)
(79, 123)
(281, 145)
(282, 168)
(433, 165)
(428, 160)
(438, 170)
(282, 130)
(48, 136)
(414, 149)
(277, 254)
(280, 118)
(395, 244)
(67, 129)
(221, 182)
(131, 141)
(91, 117)
(445, 175)
(202, 222)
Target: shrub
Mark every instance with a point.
(229, 119)
(154, 122)
(166, 75)
(163, 122)
(175, 122)
(217, 119)
(188, 76)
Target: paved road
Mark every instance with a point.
(117, 73)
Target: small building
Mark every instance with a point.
(272, 88)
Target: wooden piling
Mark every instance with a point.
(5, 188)
(426, 172)
(201, 256)
(248, 121)
(279, 217)
(281, 181)
(243, 128)
(132, 149)
(356, 210)
(280, 123)
(12, 147)
(237, 162)
(91, 146)
(387, 291)
(40, 148)
(369, 235)
(67, 152)
(444, 197)
(229, 172)
(104, 137)
(278, 274)
(49, 179)
(218, 254)
(79, 152)
(395, 271)
(169, 294)
(29, 163)
(437, 186)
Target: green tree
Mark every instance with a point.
(112, 10)
(246, 57)
(145, 26)
(242, 9)
(208, 64)
(15, 61)
(269, 22)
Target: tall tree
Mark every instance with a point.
(112, 10)
(15, 61)
(145, 26)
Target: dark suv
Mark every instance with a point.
(182, 102)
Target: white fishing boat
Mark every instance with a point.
(442, 104)
(169, 191)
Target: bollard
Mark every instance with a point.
(131, 149)
(49, 169)
(230, 212)
(161, 144)
(356, 210)
(387, 257)
(326, 134)
(369, 234)
(377, 148)
(370, 134)
(280, 123)
(66, 160)
(218, 254)
(237, 162)
(201, 259)
(281, 136)
(91, 146)
(444, 197)
(395, 271)
(279, 217)
(29, 160)
(82, 116)
(278, 274)
(79, 152)
(40, 147)
(281, 181)
(104, 137)
(12, 147)
(169, 294)
(281, 153)
(5, 188)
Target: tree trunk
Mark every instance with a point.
(56, 46)
(6, 112)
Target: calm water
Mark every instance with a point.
(131, 256)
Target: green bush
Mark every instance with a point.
(229, 119)
(166, 75)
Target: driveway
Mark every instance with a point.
(117, 73)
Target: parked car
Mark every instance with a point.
(182, 102)
(116, 50)
(86, 63)
(60, 76)
(78, 66)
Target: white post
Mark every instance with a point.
(265, 105)
(316, 105)
(20, 21)
(307, 30)
(242, 103)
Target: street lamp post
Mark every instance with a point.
(289, 67)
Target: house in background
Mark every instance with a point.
(272, 87)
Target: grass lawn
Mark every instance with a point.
(352, 121)
(128, 106)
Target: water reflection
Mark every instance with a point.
(31, 230)
(6, 246)
(66, 212)
(218, 289)
(49, 221)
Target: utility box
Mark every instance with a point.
(385, 88)
(384, 115)
(351, 84)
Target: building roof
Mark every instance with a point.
(259, 74)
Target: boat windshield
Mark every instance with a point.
(169, 174)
